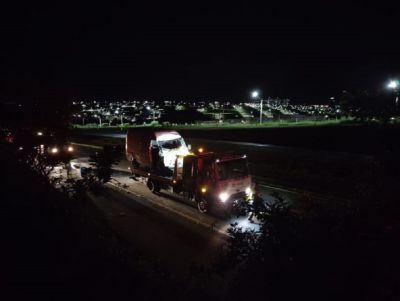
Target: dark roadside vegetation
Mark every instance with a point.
(58, 245)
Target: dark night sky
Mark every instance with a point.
(195, 51)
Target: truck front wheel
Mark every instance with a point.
(153, 186)
(203, 205)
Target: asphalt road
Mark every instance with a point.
(295, 173)
(166, 227)
(265, 164)
(161, 226)
(268, 191)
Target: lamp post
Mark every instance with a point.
(394, 85)
(255, 94)
(98, 116)
(149, 108)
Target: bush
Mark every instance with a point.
(104, 160)
(330, 254)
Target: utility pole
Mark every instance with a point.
(98, 116)
(255, 94)
(394, 85)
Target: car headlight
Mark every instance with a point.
(223, 196)
(54, 150)
(70, 149)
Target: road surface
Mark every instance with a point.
(166, 227)
(324, 173)
(294, 197)
(161, 226)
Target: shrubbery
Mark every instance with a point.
(340, 253)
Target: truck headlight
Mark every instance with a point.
(249, 191)
(223, 196)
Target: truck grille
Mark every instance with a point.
(238, 196)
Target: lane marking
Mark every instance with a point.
(311, 194)
(87, 145)
(278, 188)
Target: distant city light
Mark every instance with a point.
(140, 112)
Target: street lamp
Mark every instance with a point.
(255, 94)
(394, 85)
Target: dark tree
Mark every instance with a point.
(188, 115)
(365, 106)
(103, 161)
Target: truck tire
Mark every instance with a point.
(134, 164)
(153, 186)
(129, 157)
(203, 205)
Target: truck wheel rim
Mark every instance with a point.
(202, 206)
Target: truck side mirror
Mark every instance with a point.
(189, 147)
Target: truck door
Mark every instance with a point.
(189, 173)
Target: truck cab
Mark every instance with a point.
(213, 179)
(210, 179)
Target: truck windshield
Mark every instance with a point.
(171, 144)
(232, 169)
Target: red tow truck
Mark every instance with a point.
(206, 178)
